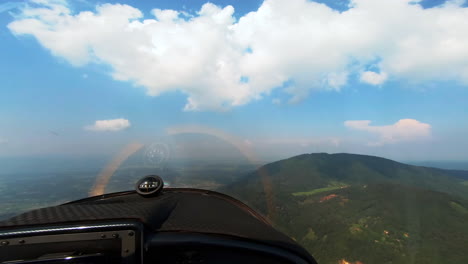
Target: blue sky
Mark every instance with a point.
(52, 95)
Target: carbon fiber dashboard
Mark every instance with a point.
(176, 226)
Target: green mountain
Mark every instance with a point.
(363, 209)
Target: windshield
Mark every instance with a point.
(343, 122)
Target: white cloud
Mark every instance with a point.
(208, 55)
(402, 131)
(109, 125)
(373, 78)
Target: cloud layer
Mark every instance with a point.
(402, 131)
(373, 78)
(298, 45)
(109, 125)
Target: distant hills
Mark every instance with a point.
(449, 165)
(347, 207)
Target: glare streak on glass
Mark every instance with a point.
(103, 178)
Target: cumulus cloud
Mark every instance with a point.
(298, 45)
(402, 131)
(373, 78)
(109, 125)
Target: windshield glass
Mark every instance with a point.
(343, 122)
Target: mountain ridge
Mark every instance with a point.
(315, 170)
(362, 208)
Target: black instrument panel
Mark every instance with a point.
(182, 248)
(178, 225)
(129, 243)
(92, 243)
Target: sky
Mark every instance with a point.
(279, 78)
